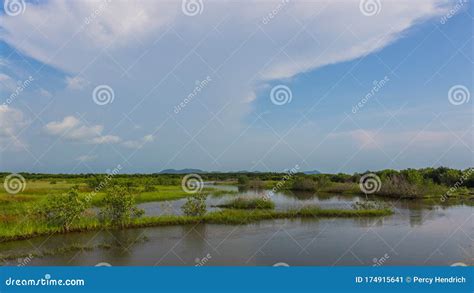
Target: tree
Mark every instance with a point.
(195, 206)
(243, 180)
(62, 210)
(119, 207)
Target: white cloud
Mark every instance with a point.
(73, 129)
(86, 27)
(76, 82)
(153, 41)
(7, 83)
(11, 121)
(138, 144)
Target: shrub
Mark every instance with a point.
(195, 206)
(119, 207)
(148, 186)
(305, 184)
(243, 180)
(62, 210)
(399, 186)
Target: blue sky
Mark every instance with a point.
(220, 66)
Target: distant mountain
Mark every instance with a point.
(182, 171)
(311, 172)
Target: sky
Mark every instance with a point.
(334, 86)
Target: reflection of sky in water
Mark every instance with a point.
(417, 234)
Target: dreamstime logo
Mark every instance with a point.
(281, 264)
(459, 264)
(192, 7)
(103, 95)
(275, 11)
(21, 86)
(370, 7)
(200, 85)
(280, 95)
(192, 183)
(103, 184)
(380, 261)
(457, 185)
(289, 174)
(459, 95)
(202, 261)
(370, 183)
(452, 11)
(14, 7)
(14, 183)
(25, 261)
(103, 264)
(378, 85)
(96, 12)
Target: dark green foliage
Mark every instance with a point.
(119, 207)
(243, 180)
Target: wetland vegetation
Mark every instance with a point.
(62, 203)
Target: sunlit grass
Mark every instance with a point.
(31, 228)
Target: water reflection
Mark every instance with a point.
(418, 233)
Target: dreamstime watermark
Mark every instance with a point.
(103, 184)
(377, 262)
(280, 95)
(192, 183)
(22, 262)
(282, 182)
(103, 95)
(378, 85)
(272, 14)
(202, 261)
(21, 86)
(453, 11)
(281, 264)
(370, 183)
(14, 183)
(96, 12)
(14, 7)
(458, 95)
(200, 85)
(103, 264)
(44, 281)
(370, 7)
(192, 7)
(458, 184)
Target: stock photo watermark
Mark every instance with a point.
(192, 7)
(14, 183)
(103, 95)
(281, 95)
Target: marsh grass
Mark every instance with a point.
(32, 229)
(242, 203)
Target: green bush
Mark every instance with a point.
(243, 180)
(118, 206)
(62, 210)
(195, 206)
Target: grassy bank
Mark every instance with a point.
(243, 203)
(225, 217)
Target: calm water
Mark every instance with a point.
(417, 234)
